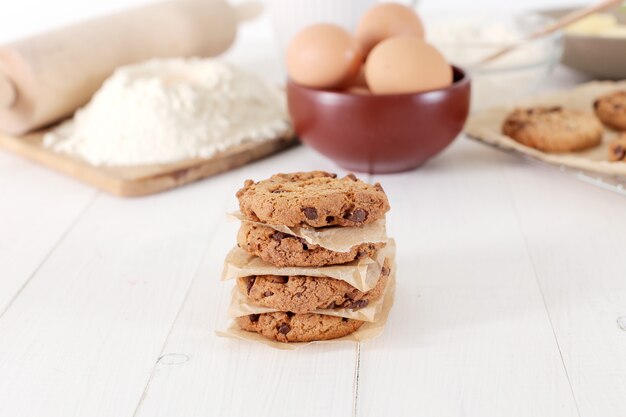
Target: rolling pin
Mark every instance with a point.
(47, 77)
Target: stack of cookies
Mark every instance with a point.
(313, 261)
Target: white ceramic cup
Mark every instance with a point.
(290, 16)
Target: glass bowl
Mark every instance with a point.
(465, 39)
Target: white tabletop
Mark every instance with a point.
(511, 280)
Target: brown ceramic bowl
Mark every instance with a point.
(380, 133)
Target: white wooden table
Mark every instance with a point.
(511, 280)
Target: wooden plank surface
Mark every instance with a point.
(133, 181)
(119, 298)
(32, 224)
(85, 333)
(576, 238)
(239, 378)
(469, 333)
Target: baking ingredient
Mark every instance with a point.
(162, 111)
(357, 89)
(359, 80)
(52, 74)
(598, 24)
(615, 32)
(323, 56)
(465, 39)
(359, 84)
(387, 20)
(406, 64)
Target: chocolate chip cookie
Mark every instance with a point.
(617, 149)
(611, 110)
(282, 249)
(316, 199)
(301, 294)
(553, 129)
(291, 327)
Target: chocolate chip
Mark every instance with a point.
(330, 219)
(268, 294)
(351, 176)
(515, 125)
(304, 243)
(385, 271)
(359, 304)
(250, 283)
(358, 216)
(279, 235)
(284, 328)
(290, 314)
(254, 317)
(619, 152)
(310, 213)
(596, 104)
(344, 319)
(332, 175)
(282, 279)
(331, 305)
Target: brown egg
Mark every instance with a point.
(359, 89)
(405, 64)
(323, 56)
(385, 21)
(359, 79)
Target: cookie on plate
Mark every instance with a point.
(611, 109)
(282, 249)
(291, 327)
(617, 149)
(301, 294)
(316, 199)
(553, 129)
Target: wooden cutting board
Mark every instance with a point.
(131, 181)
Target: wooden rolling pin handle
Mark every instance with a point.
(8, 92)
(53, 74)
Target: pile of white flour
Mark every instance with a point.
(168, 110)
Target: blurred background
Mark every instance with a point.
(463, 32)
(25, 17)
